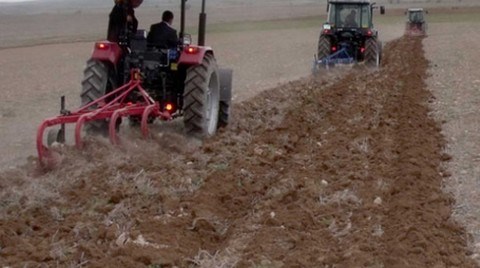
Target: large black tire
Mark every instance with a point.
(99, 79)
(324, 47)
(226, 82)
(323, 51)
(373, 52)
(201, 98)
(223, 114)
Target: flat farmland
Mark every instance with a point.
(355, 168)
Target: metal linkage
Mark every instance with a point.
(113, 110)
(340, 57)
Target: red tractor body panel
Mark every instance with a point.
(107, 51)
(193, 55)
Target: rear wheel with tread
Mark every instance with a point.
(324, 45)
(98, 80)
(201, 98)
(224, 114)
(372, 52)
(323, 51)
(226, 79)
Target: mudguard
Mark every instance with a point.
(193, 55)
(107, 51)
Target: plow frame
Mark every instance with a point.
(340, 57)
(102, 109)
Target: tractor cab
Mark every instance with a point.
(349, 15)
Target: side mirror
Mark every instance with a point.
(382, 10)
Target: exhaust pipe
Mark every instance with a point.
(202, 25)
(182, 20)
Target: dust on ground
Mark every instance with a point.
(312, 173)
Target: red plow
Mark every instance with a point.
(111, 107)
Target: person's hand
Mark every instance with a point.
(129, 18)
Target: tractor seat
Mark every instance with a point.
(138, 42)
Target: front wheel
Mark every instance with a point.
(201, 98)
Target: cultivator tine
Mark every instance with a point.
(112, 127)
(146, 113)
(78, 130)
(41, 149)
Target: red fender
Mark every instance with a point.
(193, 55)
(107, 51)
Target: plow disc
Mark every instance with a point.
(111, 107)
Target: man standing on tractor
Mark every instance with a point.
(163, 35)
(122, 19)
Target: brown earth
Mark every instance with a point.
(457, 90)
(294, 182)
(314, 173)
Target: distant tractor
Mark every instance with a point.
(416, 24)
(348, 36)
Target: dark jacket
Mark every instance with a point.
(117, 24)
(162, 35)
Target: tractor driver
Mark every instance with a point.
(350, 20)
(122, 19)
(163, 35)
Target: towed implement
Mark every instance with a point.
(348, 36)
(107, 110)
(139, 81)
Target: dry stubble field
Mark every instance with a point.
(363, 189)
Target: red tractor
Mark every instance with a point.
(135, 80)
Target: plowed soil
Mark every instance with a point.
(321, 172)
